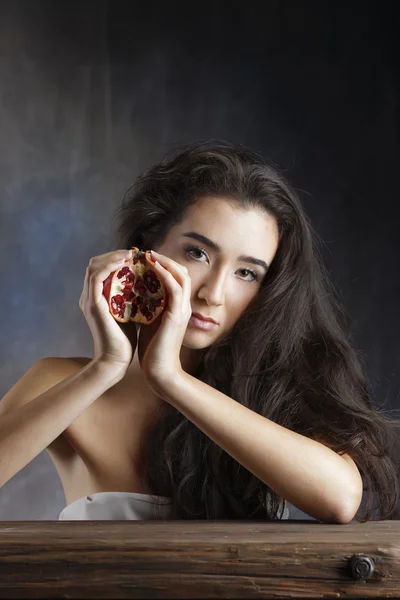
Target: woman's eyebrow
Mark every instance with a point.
(205, 240)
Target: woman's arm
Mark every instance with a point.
(306, 473)
(29, 429)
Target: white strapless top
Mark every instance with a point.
(121, 506)
(116, 506)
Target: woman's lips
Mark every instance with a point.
(201, 324)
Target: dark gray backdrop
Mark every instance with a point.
(93, 92)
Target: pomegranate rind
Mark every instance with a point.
(112, 288)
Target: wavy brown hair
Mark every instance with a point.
(289, 357)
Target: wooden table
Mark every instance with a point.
(199, 559)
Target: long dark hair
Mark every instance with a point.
(299, 369)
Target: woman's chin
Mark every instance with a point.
(196, 341)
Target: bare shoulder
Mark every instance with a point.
(53, 369)
(38, 378)
(68, 360)
(78, 361)
(58, 365)
(58, 368)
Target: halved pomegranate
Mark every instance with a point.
(135, 293)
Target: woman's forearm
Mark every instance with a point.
(306, 473)
(29, 429)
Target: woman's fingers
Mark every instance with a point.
(114, 342)
(166, 261)
(101, 265)
(177, 281)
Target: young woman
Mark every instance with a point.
(267, 404)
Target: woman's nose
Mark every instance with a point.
(213, 289)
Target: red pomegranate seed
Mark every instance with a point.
(134, 293)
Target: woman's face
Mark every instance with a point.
(222, 285)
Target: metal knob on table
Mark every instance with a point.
(360, 566)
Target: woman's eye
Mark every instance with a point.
(189, 249)
(252, 273)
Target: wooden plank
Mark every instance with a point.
(198, 559)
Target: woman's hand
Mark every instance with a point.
(114, 343)
(160, 343)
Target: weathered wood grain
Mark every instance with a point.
(198, 559)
